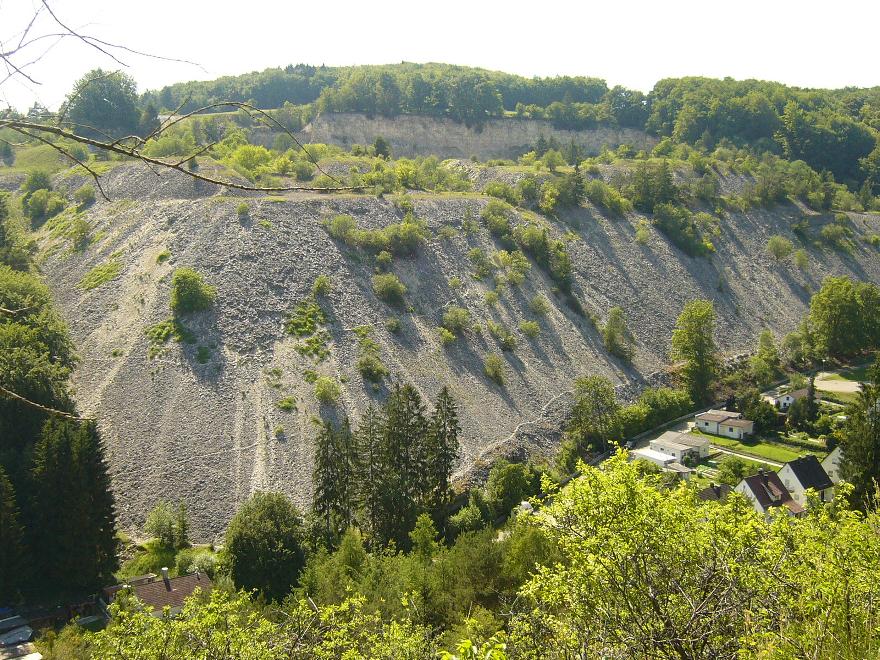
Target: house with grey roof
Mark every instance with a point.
(724, 423)
(681, 446)
(806, 473)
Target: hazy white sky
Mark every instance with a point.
(806, 43)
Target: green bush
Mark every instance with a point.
(539, 305)
(682, 229)
(503, 192)
(836, 235)
(342, 228)
(490, 298)
(779, 246)
(494, 368)
(327, 390)
(494, 214)
(506, 340)
(643, 232)
(530, 329)
(369, 362)
(456, 319)
(287, 404)
(37, 180)
(243, 210)
(84, 196)
(303, 170)
(446, 337)
(389, 288)
(190, 293)
(321, 286)
(392, 325)
(601, 194)
(483, 267)
(801, 259)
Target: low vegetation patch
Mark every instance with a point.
(159, 334)
(101, 274)
(327, 390)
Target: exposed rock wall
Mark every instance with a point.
(412, 135)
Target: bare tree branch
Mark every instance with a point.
(33, 128)
(45, 409)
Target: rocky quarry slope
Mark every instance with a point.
(199, 421)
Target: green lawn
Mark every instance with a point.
(839, 397)
(859, 374)
(769, 450)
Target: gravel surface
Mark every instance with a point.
(202, 427)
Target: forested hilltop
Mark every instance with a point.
(834, 130)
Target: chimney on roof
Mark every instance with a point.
(165, 573)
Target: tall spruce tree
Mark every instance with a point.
(72, 519)
(334, 479)
(12, 557)
(403, 460)
(325, 480)
(368, 442)
(442, 452)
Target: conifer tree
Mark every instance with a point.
(664, 185)
(368, 442)
(69, 468)
(403, 460)
(334, 479)
(325, 480)
(181, 533)
(442, 451)
(12, 562)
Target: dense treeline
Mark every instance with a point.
(57, 526)
(831, 130)
(615, 564)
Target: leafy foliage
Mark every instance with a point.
(190, 293)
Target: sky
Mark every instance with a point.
(804, 43)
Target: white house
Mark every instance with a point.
(765, 491)
(804, 473)
(681, 445)
(725, 423)
(831, 465)
(783, 400)
(666, 462)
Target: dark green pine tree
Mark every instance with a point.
(665, 191)
(442, 453)
(334, 479)
(403, 460)
(368, 441)
(12, 557)
(325, 481)
(347, 456)
(72, 518)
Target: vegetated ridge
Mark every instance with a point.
(230, 408)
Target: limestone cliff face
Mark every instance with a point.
(412, 135)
